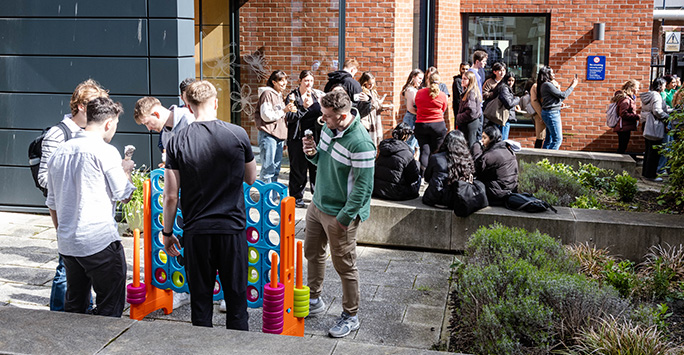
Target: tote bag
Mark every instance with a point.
(469, 196)
(653, 129)
(496, 112)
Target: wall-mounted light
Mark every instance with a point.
(599, 31)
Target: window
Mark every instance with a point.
(519, 41)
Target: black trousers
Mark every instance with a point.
(298, 167)
(430, 136)
(651, 159)
(623, 141)
(204, 255)
(105, 272)
(470, 130)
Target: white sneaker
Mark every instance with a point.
(222, 306)
(180, 299)
(316, 306)
(345, 325)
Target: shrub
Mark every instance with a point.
(132, 212)
(520, 292)
(542, 179)
(663, 271)
(621, 275)
(674, 152)
(589, 202)
(619, 336)
(594, 177)
(626, 186)
(592, 260)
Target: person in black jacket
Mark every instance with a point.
(396, 172)
(495, 166)
(452, 162)
(504, 92)
(305, 98)
(457, 88)
(345, 79)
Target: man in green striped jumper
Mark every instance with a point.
(345, 158)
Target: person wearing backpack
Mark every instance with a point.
(55, 136)
(628, 118)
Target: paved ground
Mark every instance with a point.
(403, 295)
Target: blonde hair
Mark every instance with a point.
(143, 108)
(434, 85)
(472, 87)
(350, 63)
(85, 92)
(628, 90)
(200, 92)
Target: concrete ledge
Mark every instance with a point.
(611, 161)
(412, 224)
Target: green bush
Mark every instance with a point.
(544, 179)
(132, 212)
(520, 292)
(594, 177)
(625, 186)
(674, 152)
(589, 202)
(621, 275)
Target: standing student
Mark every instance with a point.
(479, 63)
(652, 104)
(344, 184)
(469, 109)
(209, 161)
(75, 122)
(457, 87)
(408, 91)
(306, 99)
(373, 121)
(157, 118)
(345, 79)
(551, 98)
(270, 121)
(86, 177)
(430, 126)
(625, 99)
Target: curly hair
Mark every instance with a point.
(459, 161)
(402, 131)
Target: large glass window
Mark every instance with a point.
(519, 41)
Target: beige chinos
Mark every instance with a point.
(322, 229)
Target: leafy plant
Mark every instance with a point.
(545, 180)
(592, 260)
(594, 177)
(626, 186)
(132, 212)
(619, 336)
(621, 275)
(589, 202)
(674, 152)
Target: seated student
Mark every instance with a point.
(450, 163)
(396, 172)
(495, 165)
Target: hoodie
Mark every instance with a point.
(351, 86)
(653, 103)
(270, 115)
(396, 172)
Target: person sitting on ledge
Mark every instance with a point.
(495, 165)
(396, 172)
(452, 162)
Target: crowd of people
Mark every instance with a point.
(334, 139)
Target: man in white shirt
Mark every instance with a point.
(75, 121)
(86, 176)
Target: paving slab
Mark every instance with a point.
(45, 332)
(26, 275)
(178, 338)
(23, 294)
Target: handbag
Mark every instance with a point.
(653, 129)
(496, 112)
(469, 196)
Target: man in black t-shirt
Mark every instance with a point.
(208, 161)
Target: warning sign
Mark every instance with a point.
(672, 41)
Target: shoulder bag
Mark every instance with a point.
(654, 129)
(469, 196)
(496, 112)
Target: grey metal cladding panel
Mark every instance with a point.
(14, 146)
(32, 111)
(17, 187)
(172, 38)
(115, 37)
(62, 74)
(172, 8)
(73, 8)
(37, 111)
(165, 75)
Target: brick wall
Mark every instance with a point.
(626, 47)
(448, 44)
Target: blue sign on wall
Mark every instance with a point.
(596, 67)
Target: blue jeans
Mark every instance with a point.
(554, 129)
(59, 285)
(271, 152)
(667, 141)
(410, 119)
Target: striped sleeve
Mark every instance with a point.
(361, 158)
(53, 138)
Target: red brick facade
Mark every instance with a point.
(379, 34)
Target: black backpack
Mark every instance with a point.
(35, 152)
(528, 203)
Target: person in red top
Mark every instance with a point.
(430, 128)
(626, 109)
